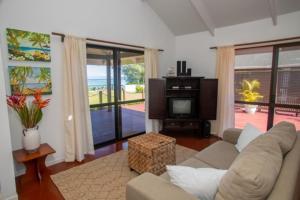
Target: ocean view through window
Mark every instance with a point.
(116, 93)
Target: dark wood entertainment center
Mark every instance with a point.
(198, 93)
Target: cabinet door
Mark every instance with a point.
(208, 99)
(157, 99)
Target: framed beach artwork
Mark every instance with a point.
(24, 79)
(28, 46)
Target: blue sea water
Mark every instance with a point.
(101, 83)
(31, 49)
(35, 85)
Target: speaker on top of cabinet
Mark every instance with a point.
(183, 72)
(178, 68)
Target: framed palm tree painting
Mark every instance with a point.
(28, 46)
(25, 80)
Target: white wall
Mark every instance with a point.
(7, 180)
(194, 48)
(128, 21)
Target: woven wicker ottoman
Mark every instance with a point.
(151, 152)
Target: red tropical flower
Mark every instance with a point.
(30, 114)
(38, 99)
(16, 100)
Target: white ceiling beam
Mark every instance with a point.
(273, 11)
(202, 11)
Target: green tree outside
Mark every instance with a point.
(134, 74)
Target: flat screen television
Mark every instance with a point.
(183, 107)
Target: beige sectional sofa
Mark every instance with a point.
(284, 155)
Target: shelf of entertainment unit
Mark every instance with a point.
(182, 89)
(185, 96)
(181, 124)
(183, 77)
(182, 119)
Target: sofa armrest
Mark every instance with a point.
(232, 135)
(150, 187)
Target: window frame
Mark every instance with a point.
(273, 83)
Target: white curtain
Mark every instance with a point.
(78, 129)
(151, 71)
(225, 75)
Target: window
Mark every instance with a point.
(267, 88)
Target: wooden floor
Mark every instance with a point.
(46, 190)
(103, 123)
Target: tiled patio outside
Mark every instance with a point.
(259, 119)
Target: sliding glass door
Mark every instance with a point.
(267, 83)
(132, 103)
(252, 84)
(116, 86)
(100, 75)
(287, 80)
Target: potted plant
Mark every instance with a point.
(249, 93)
(30, 114)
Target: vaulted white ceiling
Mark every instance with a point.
(190, 16)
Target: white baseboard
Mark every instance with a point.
(214, 133)
(48, 163)
(53, 162)
(20, 172)
(13, 197)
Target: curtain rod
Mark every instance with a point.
(103, 41)
(261, 42)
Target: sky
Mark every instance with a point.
(96, 71)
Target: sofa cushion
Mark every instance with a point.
(254, 172)
(285, 134)
(232, 135)
(150, 187)
(200, 182)
(249, 133)
(219, 155)
(288, 182)
(191, 162)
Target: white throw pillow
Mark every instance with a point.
(248, 134)
(201, 182)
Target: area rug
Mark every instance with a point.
(104, 178)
